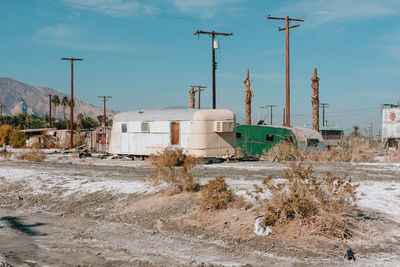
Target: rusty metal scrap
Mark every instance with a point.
(315, 100)
(249, 96)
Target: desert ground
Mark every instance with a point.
(67, 211)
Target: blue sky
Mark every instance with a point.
(145, 55)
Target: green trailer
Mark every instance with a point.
(257, 139)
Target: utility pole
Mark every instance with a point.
(271, 106)
(49, 95)
(71, 115)
(199, 90)
(214, 46)
(287, 28)
(105, 99)
(323, 106)
(1, 111)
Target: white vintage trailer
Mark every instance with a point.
(201, 133)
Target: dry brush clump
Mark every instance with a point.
(176, 169)
(216, 194)
(322, 207)
(350, 150)
(34, 155)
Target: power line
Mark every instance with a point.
(287, 28)
(213, 44)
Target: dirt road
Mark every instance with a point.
(67, 211)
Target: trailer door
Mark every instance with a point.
(175, 133)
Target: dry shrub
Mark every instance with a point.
(355, 150)
(282, 151)
(322, 207)
(216, 194)
(180, 179)
(32, 155)
(393, 156)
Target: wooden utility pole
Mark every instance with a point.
(1, 111)
(71, 114)
(213, 34)
(192, 93)
(287, 28)
(323, 106)
(315, 100)
(105, 99)
(248, 96)
(199, 90)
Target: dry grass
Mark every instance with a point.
(322, 207)
(180, 179)
(32, 155)
(393, 156)
(216, 194)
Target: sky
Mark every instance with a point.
(145, 54)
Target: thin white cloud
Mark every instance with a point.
(114, 7)
(389, 44)
(70, 38)
(318, 12)
(205, 8)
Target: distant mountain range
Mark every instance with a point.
(17, 97)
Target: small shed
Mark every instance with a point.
(257, 139)
(201, 133)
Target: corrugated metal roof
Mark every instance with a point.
(302, 134)
(173, 115)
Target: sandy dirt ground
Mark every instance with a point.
(67, 211)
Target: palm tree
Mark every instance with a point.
(100, 119)
(79, 120)
(56, 102)
(65, 103)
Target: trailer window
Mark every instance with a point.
(124, 127)
(238, 135)
(312, 142)
(269, 137)
(288, 139)
(145, 127)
